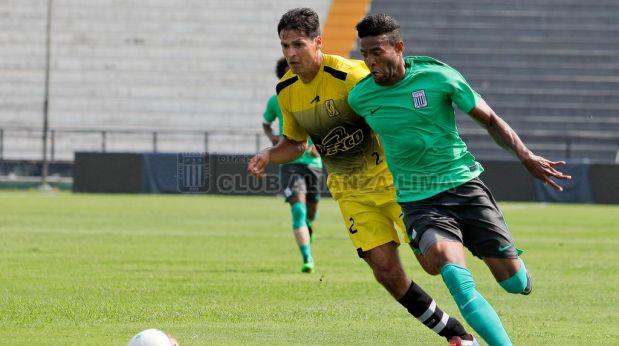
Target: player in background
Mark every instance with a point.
(407, 101)
(312, 97)
(300, 180)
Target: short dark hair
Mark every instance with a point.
(281, 67)
(302, 19)
(379, 24)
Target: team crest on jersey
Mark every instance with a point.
(419, 99)
(330, 107)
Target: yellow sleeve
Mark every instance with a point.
(291, 127)
(356, 73)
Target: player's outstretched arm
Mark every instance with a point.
(286, 150)
(268, 131)
(507, 138)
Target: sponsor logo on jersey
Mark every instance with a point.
(331, 109)
(339, 141)
(419, 99)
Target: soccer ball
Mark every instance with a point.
(152, 337)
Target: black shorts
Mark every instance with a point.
(468, 213)
(300, 179)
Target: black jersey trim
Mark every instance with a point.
(336, 73)
(288, 82)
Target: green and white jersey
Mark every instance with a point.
(416, 123)
(273, 112)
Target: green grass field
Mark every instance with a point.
(96, 269)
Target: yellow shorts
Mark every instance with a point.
(371, 219)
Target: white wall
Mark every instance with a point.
(147, 64)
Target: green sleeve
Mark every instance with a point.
(461, 92)
(270, 113)
(353, 100)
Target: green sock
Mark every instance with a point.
(299, 215)
(518, 282)
(473, 307)
(305, 252)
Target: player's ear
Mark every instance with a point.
(318, 41)
(399, 47)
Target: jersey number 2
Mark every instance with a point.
(377, 158)
(352, 228)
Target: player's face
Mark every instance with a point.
(301, 52)
(382, 58)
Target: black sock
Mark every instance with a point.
(424, 308)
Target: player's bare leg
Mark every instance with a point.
(448, 258)
(387, 268)
(427, 265)
(312, 212)
(388, 271)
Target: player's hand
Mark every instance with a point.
(544, 169)
(274, 139)
(258, 163)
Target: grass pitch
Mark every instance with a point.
(96, 269)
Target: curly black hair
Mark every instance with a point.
(281, 67)
(379, 24)
(303, 19)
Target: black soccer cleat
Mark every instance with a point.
(527, 290)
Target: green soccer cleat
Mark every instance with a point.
(308, 267)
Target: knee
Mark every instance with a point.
(430, 264)
(459, 281)
(427, 266)
(518, 282)
(431, 270)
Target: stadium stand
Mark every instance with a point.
(550, 67)
(175, 65)
(194, 75)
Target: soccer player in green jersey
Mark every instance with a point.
(407, 101)
(300, 179)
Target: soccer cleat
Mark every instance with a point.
(308, 267)
(529, 288)
(458, 341)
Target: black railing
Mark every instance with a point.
(203, 138)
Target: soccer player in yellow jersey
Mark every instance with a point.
(313, 100)
(299, 179)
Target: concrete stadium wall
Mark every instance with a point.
(161, 64)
